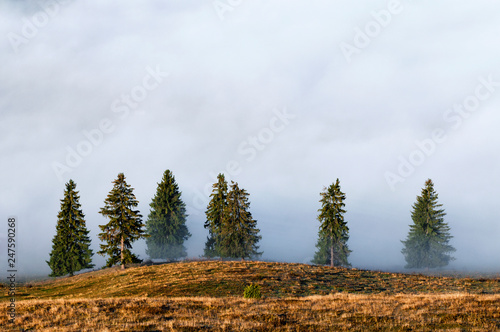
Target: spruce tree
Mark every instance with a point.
(427, 245)
(166, 224)
(124, 227)
(238, 234)
(215, 213)
(71, 245)
(333, 231)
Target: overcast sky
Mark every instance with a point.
(283, 97)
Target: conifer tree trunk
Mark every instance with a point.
(121, 253)
(331, 254)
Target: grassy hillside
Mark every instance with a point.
(222, 279)
(207, 295)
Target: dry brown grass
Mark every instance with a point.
(222, 279)
(207, 295)
(337, 312)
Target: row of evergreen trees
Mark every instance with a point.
(233, 230)
(233, 233)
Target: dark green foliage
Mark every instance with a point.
(333, 231)
(166, 224)
(252, 292)
(71, 245)
(210, 251)
(124, 227)
(215, 215)
(323, 253)
(427, 243)
(238, 235)
(233, 232)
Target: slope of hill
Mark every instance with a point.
(229, 278)
(207, 295)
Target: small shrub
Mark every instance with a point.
(252, 292)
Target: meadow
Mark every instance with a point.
(207, 295)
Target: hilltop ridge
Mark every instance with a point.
(229, 278)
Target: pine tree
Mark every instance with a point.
(427, 244)
(333, 232)
(124, 226)
(238, 234)
(166, 224)
(215, 213)
(71, 245)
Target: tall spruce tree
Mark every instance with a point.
(71, 245)
(124, 227)
(333, 231)
(215, 213)
(427, 245)
(238, 233)
(166, 224)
